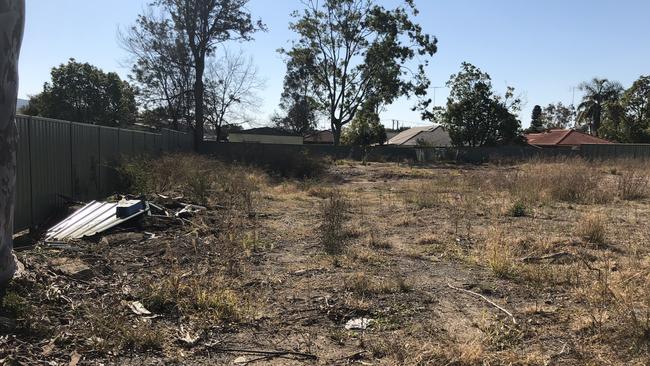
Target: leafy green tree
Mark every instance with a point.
(536, 122)
(300, 116)
(298, 102)
(353, 51)
(628, 119)
(365, 130)
(475, 115)
(557, 116)
(83, 93)
(205, 24)
(598, 93)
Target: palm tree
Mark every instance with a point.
(12, 19)
(598, 93)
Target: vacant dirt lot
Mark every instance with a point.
(529, 264)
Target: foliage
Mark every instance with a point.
(333, 211)
(365, 130)
(598, 94)
(518, 209)
(628, 119)
(299, 102)
(355, 51)
(162, 69)
(203, 25)
(300, 116)
(475, 115)
(536, 123)
(81, 92)
(558, 116)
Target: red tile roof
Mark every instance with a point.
(557, 137)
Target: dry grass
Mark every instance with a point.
(199, 179)
(363, 285)
(573, 181)
(250, 271)
(592, 228)
(332, 230)
(498, 253)
(632, 185)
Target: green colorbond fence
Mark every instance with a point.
(57, 159)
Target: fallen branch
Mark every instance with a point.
(514, 321)
(307, 356)
(553, 257)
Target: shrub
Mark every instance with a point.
(498, 254)
(364, 285)
(333, 210)
(518, 209)
(134, 176)
(632, 186)
(592, 229)
(197, 178)
(198, 185)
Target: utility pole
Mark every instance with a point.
(435, 88)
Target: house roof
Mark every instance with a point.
(269, 131)
(560, 137)
(407, 135)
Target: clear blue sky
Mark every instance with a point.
(542, 48)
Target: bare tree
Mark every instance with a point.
(206, 24)
(162, 67)
(232, 83)
(12, 23)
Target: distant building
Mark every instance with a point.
(434, 135)
(556, 138)
(325, 137)
(265, 135)
(21, 103)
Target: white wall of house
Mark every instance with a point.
(265, 139)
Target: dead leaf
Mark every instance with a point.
(74, 359)
(138, 309)
(48, 348)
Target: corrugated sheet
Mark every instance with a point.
(91, 219)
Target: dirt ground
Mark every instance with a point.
(448, 264)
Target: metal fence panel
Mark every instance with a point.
(23, 212)
(50, 166)
(109, 155)
(149, 143)
(138, 144)
(85, 161)
(58, 160)
(125, 142)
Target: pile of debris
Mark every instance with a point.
(97, 217)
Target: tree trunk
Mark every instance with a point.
(596, 123)
(336, 131)
(199, 91)
(12, 20)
